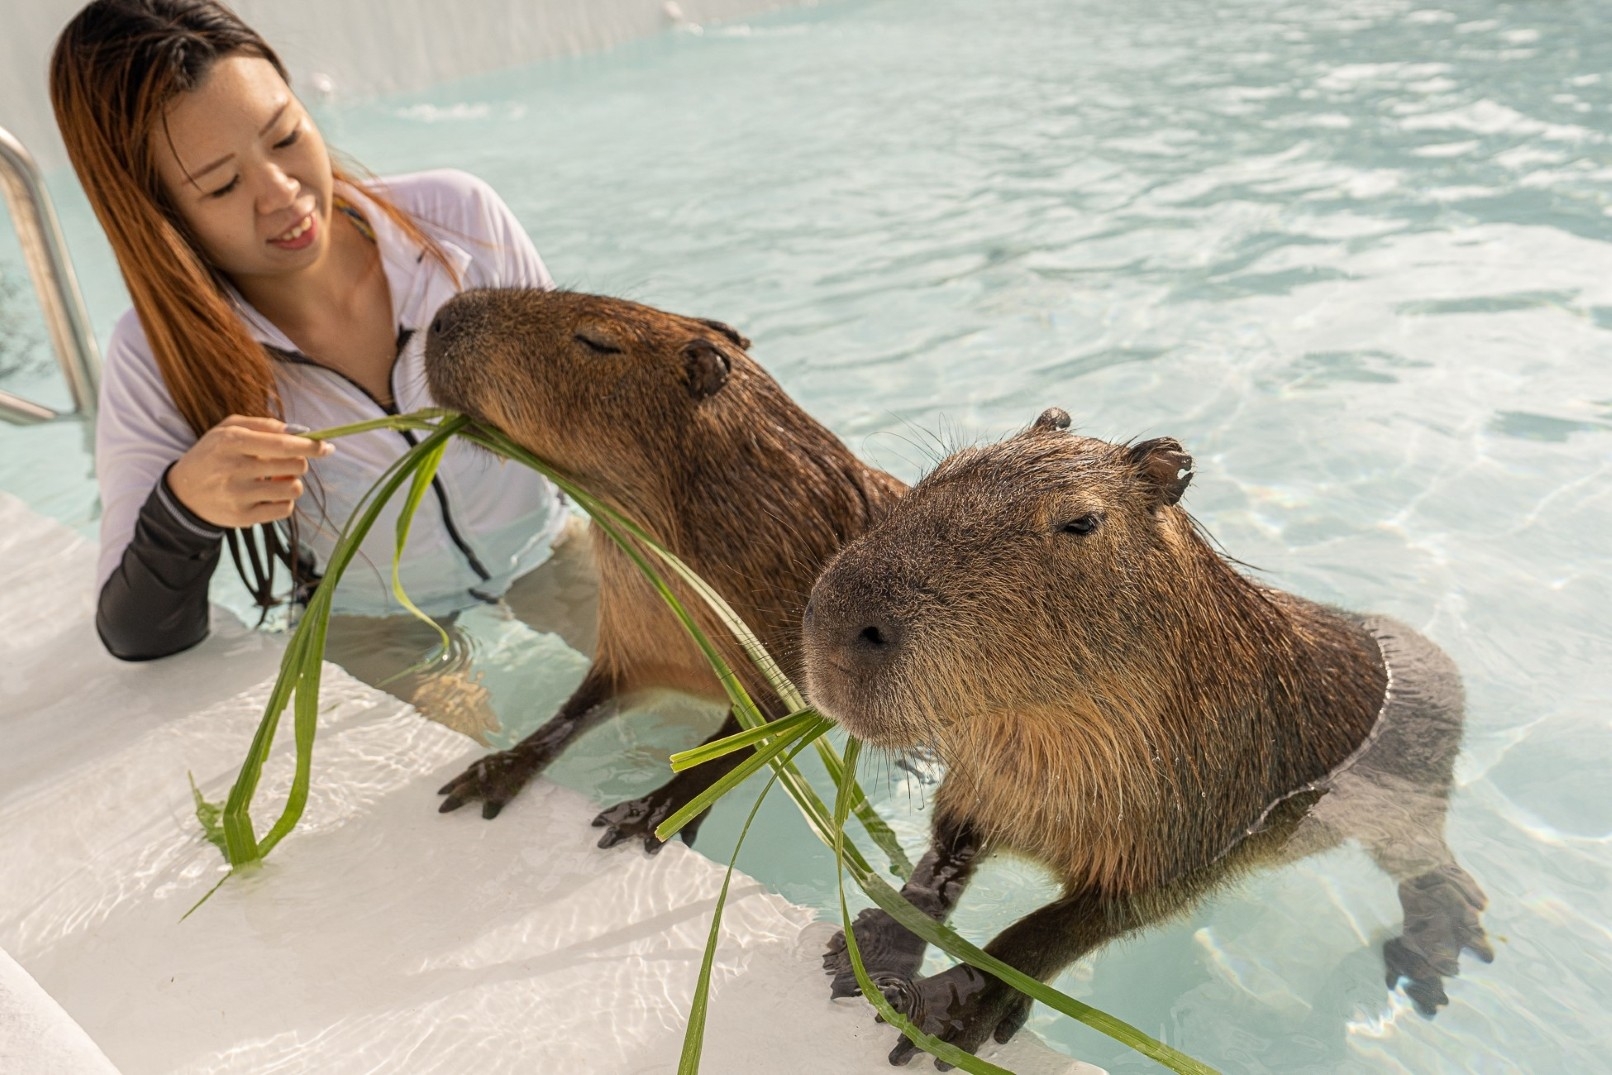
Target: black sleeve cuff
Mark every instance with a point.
(205, 533)
(155, 603)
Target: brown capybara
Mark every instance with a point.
(670, 422)
(1112, 698)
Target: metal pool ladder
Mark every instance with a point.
(54, 282)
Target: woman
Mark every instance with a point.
(271, 290)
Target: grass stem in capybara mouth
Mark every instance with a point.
(667, 420)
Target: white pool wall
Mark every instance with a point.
(360, 49)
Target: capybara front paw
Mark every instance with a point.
(637, 819)
(961, 1006)
(888, 952)
(493, 780)
(1441, 918)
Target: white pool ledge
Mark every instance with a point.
(381, 936)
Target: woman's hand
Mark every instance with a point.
(244, 471)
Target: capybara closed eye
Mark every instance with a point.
(668, 421)
(1114, 699)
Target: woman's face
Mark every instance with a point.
(245, 166)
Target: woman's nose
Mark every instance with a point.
(279, 189)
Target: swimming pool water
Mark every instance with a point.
(1357, 257)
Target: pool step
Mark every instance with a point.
(380, 936)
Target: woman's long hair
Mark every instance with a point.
(116, 69)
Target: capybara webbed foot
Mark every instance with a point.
(888, 951)
(961, 1006)
(494, 780)
(637, 819)
(1441, 918)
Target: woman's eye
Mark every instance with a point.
(226, 188)
(289, 140)
(1082, 525)
(595, 345)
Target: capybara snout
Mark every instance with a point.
(578, 379)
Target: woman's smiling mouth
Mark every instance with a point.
(299, 235)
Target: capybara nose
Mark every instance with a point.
(876, 641)
(858, 641)
(442, 324)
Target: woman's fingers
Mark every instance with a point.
(267, 444)
(260, 490)
(268, 511)
(250, 421)
(264, 467)
(243, 471)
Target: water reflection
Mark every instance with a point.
(499, 645)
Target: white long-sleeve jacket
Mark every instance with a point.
(490, 521)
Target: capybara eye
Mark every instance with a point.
(596, 346)
(1083, 525)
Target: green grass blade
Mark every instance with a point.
(208, 813)
(426, 418)
(783, 726)
(619, 527)
(300, 678)
(736, 776)
(424, 473)
(299, 668)
(240, 842)
(694, 1037)
(944, 1050)
(946, 939)
(609, 522)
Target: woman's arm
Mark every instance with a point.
(167, 499)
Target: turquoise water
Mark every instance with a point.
(1357, 257)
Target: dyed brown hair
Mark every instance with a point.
(116, 69)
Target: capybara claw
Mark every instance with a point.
(1014, 1022)
(1441, 918)
(492, 781)
(902, 995)
(638, 818)
(960, 1006)
(889, 953)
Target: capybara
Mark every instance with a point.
(667, 420)
(1113, 698)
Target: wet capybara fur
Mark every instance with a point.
(668, 421)
(1113, 698)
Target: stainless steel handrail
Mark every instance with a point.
(41, 239)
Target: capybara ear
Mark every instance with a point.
(1051, 420)
(1165, 465)
(705, 368)
(734, 336)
